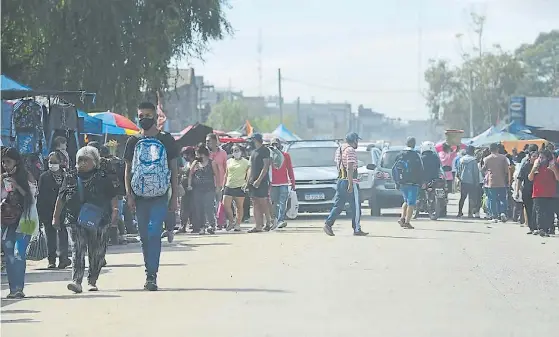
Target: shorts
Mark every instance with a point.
(410, 192)
(234, 192)
(263, 191)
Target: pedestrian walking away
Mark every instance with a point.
(408, 175)
(347, 189)
(151, 180)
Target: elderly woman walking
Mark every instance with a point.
(91, 206)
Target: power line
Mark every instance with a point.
(327, 87)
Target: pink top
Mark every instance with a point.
(446, 160)
(219, 157)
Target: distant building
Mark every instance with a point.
(181, 100)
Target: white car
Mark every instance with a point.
(315, 174)
(368, 154)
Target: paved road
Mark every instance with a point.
(445, 278)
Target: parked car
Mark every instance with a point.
(369, 154)
(384, 193)
(315, 174)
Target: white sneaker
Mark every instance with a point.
(477, 216)
(274, 224)
(503, 217)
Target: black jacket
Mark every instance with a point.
(414, 176)
(431, 166)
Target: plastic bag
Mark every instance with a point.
(37, 249)
(292, 205)
(220, 217)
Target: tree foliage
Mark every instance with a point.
(232, 114)
(120, 50)
(489, 77)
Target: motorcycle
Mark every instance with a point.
(432, 200)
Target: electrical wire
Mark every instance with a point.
(327, 87)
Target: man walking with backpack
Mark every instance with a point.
(408, 176)
(346, 189)
(470, 180)
(151, 179)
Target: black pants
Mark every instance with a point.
(468, 191)
(544, 213)
(529, 206)
(186, 209)
(246, 210)
(204, 209)
(56, 240)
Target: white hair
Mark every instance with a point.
(91, 153)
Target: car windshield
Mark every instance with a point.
(388, 159)
(364, 158)
(312, 156)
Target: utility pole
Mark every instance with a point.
(298, 111)
(471, 101)
(280, 98)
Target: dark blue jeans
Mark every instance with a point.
(15, 250)
(497, 197)
(340, 199)
(150, 213)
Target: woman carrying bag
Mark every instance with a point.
(91, 206)
(19, 218)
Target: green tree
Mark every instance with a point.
(542, 62)
(486, 79)
(119, 49)
(228, 115)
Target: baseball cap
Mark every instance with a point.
(352, 137)
(257, 136)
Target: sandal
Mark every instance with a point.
(255, 230)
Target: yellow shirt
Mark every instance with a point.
(236, 172)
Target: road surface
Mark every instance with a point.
(445, 278)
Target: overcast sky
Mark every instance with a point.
(360, 51)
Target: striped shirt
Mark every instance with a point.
(343, 158)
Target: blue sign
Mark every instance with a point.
(517, 109)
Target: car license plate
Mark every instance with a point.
(314, 196)
(439, 193)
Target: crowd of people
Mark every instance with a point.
(212, 189)
(85, 196)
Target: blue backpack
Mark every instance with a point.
(151, 176)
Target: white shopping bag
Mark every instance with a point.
(292, 205)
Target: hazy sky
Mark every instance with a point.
(360, 51)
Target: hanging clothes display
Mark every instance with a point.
(27, 121)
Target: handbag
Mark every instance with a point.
(37, 249)
(90, 215)
(10, 213)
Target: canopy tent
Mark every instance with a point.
(9, 84)
(192, 135)
(91, 125)
(284, 134)
(519, 144)
(482, 135)
(499, 137)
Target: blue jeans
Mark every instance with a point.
(15, 250)
(340, 199)
(497, 201)
(279, 195)
(150, 213)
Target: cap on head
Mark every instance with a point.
(257, 137)
(352, 137)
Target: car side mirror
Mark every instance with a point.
(371, 167)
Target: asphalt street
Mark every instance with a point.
(445, 278)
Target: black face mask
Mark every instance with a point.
(146, 123)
